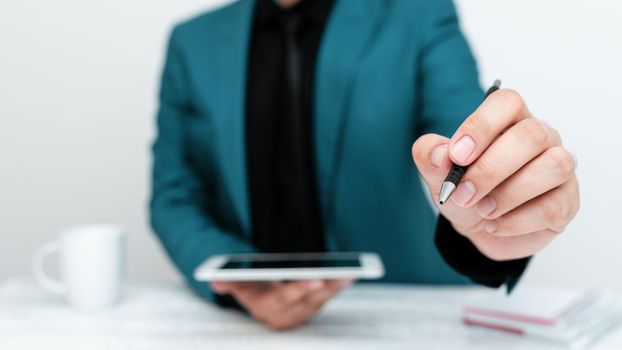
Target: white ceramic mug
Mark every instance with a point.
(92, 264)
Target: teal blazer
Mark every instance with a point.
(387, 72)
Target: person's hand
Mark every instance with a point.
(282, 305)
(520, 190)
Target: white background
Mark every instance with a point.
(78, 84)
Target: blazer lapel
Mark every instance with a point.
(349, 33)
(232, 52)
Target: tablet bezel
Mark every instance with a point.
(371, 267)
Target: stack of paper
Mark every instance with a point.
(569, 318)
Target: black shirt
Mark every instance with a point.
(272, 186)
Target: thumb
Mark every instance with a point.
(225, 287)
(221, 287)
(430, 153)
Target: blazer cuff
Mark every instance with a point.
(462, 256)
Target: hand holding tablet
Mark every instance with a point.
(285, 290)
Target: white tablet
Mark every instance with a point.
(290, 266)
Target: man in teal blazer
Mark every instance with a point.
(386, 73)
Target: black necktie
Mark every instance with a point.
(297, 228)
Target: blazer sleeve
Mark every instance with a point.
(448, 83)
(179, 206)
(449, 93)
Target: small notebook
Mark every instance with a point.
(571, 318)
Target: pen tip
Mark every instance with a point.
(497, 83)
(447, 188)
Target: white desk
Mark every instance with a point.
(171, 317)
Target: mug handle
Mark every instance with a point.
(41, 277)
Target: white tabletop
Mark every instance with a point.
(171, 317)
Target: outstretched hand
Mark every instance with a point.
(520, 190)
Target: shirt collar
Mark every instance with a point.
(316, 11)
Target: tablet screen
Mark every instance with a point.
(284, 264)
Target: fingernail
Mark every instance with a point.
(315, 284)
(486, 206)
(344, 283)
(462, 149)
(438, 154)
(464, 193)
(491, 226)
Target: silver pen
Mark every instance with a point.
(456, 172)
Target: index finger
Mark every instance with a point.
(291, 292)
(275, 295)
(498, 112)
(225, 287)
(333, 287)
